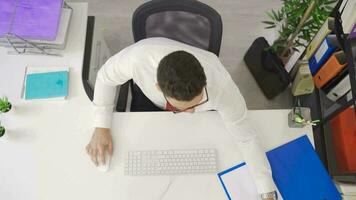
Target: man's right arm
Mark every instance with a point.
(116, 71)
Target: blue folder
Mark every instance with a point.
(325, 50)
(298, 172)
(46, 85)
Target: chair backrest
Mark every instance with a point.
(187, 21)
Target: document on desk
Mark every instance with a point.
(11, 82)
(238, 183)
(297, 172)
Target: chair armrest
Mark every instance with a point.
(123, 97)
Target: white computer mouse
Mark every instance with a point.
(106, 166)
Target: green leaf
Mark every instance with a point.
(329, 8)
(268, 22)
(280, 15)
(269, 27)
(270, 16)
(292, 12)
(274, 15)
(329, 2)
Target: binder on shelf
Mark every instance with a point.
(344, 138)
(325, 29)
(303, 81)
(322, 54)
(348, 16)
(340, 89)
(330, 69)
(333, 82)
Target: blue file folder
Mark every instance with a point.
(325, 50)
(297, 172)
(46, 85)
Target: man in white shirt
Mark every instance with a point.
(180, 78)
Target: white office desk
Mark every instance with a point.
(45, 158)
(52, 164)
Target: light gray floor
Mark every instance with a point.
(241, 22)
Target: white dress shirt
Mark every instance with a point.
(140, 61)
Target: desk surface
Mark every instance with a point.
(44, 157)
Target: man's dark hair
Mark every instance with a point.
(180, 76)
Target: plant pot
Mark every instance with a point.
(7, 109)
(302, 111)
(3, 135)
(2, 131)
(266, 68)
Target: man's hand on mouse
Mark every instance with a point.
(99, 145)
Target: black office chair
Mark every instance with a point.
(187, 21)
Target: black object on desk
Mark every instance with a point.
(266, 68)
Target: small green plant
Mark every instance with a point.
(297, 23)
(5, 105)
(299, 119)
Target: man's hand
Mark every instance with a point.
(101, 143)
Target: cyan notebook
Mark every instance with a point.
(46, 85)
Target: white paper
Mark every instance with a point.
(11, 81)
(240, 185)
(293, 59)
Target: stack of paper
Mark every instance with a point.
(35, 19)
(44, 23)
(58, 43)
(46, 83)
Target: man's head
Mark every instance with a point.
(181, 78)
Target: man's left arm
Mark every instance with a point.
(232, 107)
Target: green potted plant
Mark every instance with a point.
(297, 21)
(5, 105)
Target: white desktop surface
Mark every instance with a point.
(44, 157)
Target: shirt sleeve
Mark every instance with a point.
(232, 107)
(116, 71)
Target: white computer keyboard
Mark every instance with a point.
(171, 162)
